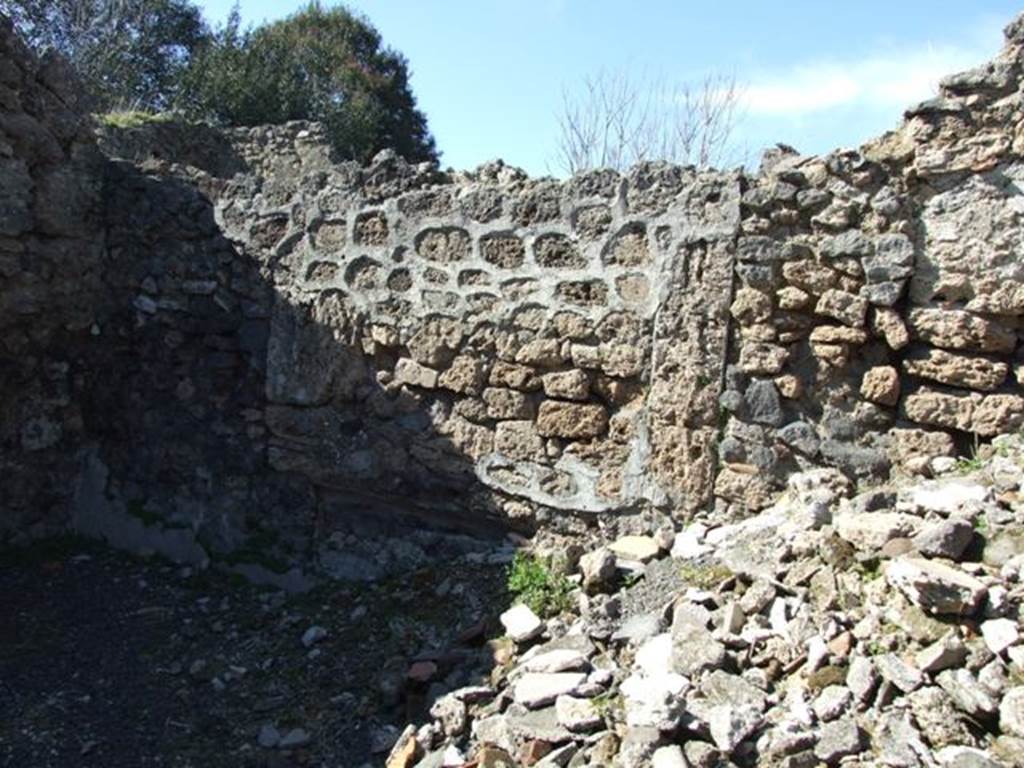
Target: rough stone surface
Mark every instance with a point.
(489, 351)
(881, 385)
(935, 586)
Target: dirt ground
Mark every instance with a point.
(113, 661)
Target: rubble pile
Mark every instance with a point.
(878, 627)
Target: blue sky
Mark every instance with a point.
(490, 74)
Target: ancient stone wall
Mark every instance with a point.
(880, 294)
(278, 346)
(51, 279)
(493, 335)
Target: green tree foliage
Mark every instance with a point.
(323, 64)
(129, 53)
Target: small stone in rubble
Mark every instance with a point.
(862, 678)
(959, 756)
(296, 737)
(694, 649)
(670, 756)
(936, 587)
(968, 694)
(535, 689)
(947, 538)
(598, 570)
(942, 654)
(313, 635)
(731, 725)
(636, 548)
(999, 634)
(937, 716)
(577, 714)
(832, 702)
(1011, 712)
(555, 660)
(269, 737)
(898, 672)
(451, 713)
(871, 530)
(521, 624)
(837, 740)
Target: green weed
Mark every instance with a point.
(532, 582)
(704, 576)
(131, 118)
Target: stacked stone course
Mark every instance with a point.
(300, 342)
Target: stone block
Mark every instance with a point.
(842, 306)
(957, 370)
(881, 385)
(514, 376)
(762, 359)
(985, 415)
(571, 420)
(408, 371)
(519, 441)
(466, 375)
(958, 329)
(504, 403)
(751, 306)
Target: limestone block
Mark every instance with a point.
(851, 244)
(583, 293)
(443, 244)
(835, 355)
(762, 358)
(985, 415)
(473, 408)
(540, 352)
(995, 296)
(504, 403)
(408, 371)
(906, 444)
(997, 414)
(842, 306)
(751, 306)
(558, 252)
(513, 376)
(793, 298)
(502, 250)
(810, 276)
(789, 386)
(371, 228)
(957, 329)
(623, 360)
(633, 288)
(470, 439)
(466, 375)
(571, 420)
(893, 259)
(518, 440)
(628, 248)
(888, 324)
(957, 370)
(972, 236)
(837, 334)
(881, 385)
(744, 484)
(435, 342)
(759, 332)
(567, 385)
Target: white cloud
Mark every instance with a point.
(887, 80)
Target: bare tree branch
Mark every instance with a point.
(616, 120)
